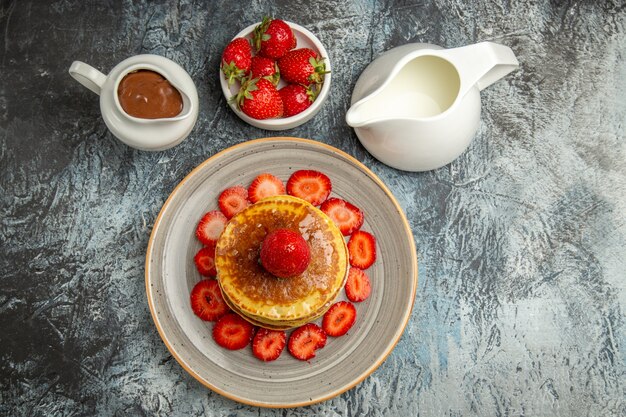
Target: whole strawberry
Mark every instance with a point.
(296, 98)
(236, 59)
(285, 253)
(302, 66)
(264, 68)
(259, 99)
(273, 38)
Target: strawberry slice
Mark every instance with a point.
(232, 200)
(339, 318)
(346, 216)
(309, 185)
(362, 249)
(205, 261)
(232, 332)
(358, 286)
(265, 185)
(267, 344)
(305, 340)
(206, 300)
(210, 227)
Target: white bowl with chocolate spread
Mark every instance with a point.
(147, 101)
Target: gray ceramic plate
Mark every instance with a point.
(286, 382)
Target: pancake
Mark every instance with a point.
(262, 298)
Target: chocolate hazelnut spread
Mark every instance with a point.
(148, 95)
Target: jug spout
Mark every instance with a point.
(481, 64)
(187, 109)
(358, 115)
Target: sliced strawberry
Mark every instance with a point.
(265, 185)
(206, 300)
(346, 216)
(305, 340)
(232, 332)
(267, 345)
(309, 185)
(339, 318)
(358, 286)
(232, 200)
(362, 249)
(210, 227)
(205, 261)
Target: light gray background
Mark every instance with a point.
(521, 241)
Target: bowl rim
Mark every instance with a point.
(300, 118)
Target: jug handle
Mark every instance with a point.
(482, 64)
(88, 76)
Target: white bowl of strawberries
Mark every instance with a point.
(275, 75)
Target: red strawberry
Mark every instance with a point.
(205, 261)
(267, 345)
(259, 99)
(210, 227)
(273, 38)
(309, 185)
(362, 249)
(232, 332)
(264, 68)
(236, 59)
(285, 253)
(302, 66)
(296, 98)
(265, 185)
(347, 217)
(206, 300)
(305, 340)
(232, 200)
(339, 318)
(358, 286)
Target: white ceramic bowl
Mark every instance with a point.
(144, 134)
(305, 39)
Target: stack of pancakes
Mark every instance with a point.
(262, 298)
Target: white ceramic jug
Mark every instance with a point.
(417, 106)
(144, 134)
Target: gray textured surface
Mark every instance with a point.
(521, 241)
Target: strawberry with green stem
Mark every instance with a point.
(297, 98)
(262, 67)
(236, 60)
(259, 99)
(272, 38)
(302, 66)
